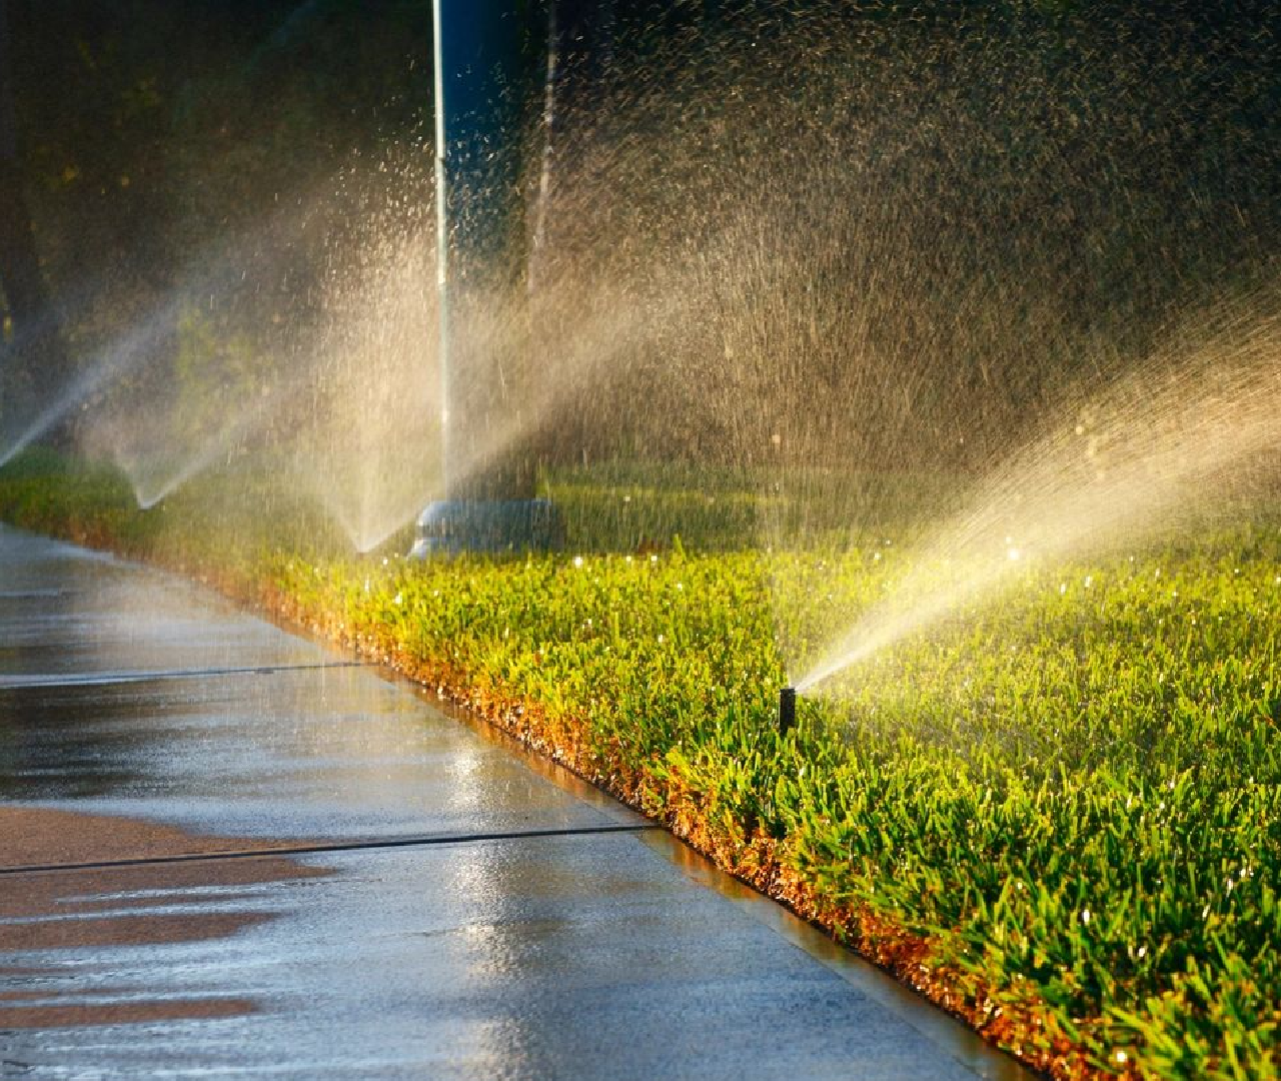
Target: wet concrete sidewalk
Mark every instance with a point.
(226, 851)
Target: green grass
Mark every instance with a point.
(1060, 813)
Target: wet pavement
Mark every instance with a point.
(227, 851)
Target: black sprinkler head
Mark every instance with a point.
(786, 710)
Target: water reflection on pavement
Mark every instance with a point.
(473, 913)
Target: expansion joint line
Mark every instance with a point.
(321, 848)
(104, 679)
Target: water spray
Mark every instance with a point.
(480, 68)
(786, 710)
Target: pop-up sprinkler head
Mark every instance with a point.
(786, 710)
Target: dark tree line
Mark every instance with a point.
(136, 136)
(33, 336)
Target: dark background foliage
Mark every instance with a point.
(1125, 156)
(149, 128)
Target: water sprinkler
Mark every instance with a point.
(786, 710)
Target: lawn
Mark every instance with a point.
(1056, 812)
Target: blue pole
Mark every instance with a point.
(481, 88)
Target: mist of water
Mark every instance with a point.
(849, 261)
(107, 367)
(1194, 427)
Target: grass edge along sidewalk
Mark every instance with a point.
(1095, 914)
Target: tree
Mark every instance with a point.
(34, 359)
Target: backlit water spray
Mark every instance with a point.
(1197, 425)
(846, 264)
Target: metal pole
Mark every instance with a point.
(480, 87)
(482, 78)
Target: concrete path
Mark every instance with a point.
(226, 851)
